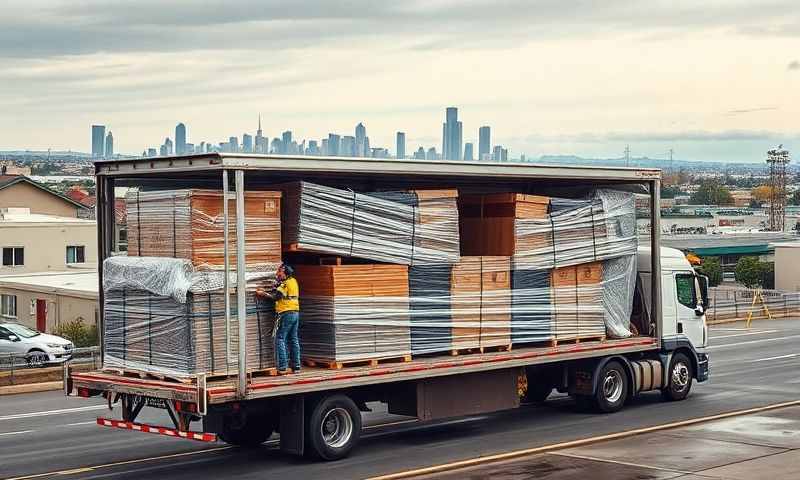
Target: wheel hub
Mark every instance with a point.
(337, 427)
(680, 375)
(612, 386)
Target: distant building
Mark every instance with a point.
(324, 148)
(334, 141)
(451, 135)
(484, 142)
(286, 141)
(401, 145)
(361, 147)
(233, 144)
(741, 198)
(190, 149)
(262, 144)
(168, 145)
(18, 191)
(432, 155)
(379, 153)
(98, 141)
(11, 168)
(247, 143)
(276, 146)
(152, 152)
(348, 147)
(313, 148)
(500, 154)
(162, 151)
(109, 153)
(180, 139)
(468, 152)
(419, 154)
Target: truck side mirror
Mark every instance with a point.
(705, 301)
(699, 311)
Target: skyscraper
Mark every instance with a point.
(348, 147)
(419, 154)
(432, 155)
(333, 144)
(109, 153)
(401, 145)
(451, 135)
(180, 139)
(247, 143)
(468, 152)
(484, 142)
(233, 144)
(261, 142)
(361, 150)
(286, 141)
(276, 145)
(98, 140)
(167, 147)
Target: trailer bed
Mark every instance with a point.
(318, 379)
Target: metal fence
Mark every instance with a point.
(9, 362)
(737, 303)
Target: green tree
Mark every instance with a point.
(711, 268)
(711, 192)
(669, 192)
(753, 273)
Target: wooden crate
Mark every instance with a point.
(487, 222)
(465, 294)
(495, 301)
(578, 301)
(189, 224)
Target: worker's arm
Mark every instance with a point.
(276, 294)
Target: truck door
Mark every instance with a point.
(687, 299)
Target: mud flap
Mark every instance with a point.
(292, 427)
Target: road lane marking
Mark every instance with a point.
(764, 332)
(93, 422)
(620, 462)
(53, 412)
(15, 433)
(473, 462)
(750, 342)
(791, 355)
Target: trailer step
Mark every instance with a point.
(476, 350)
(169, 432)
(372, 362)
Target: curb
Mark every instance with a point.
(31, 388)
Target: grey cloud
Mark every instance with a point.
(793, 65)
(750, 110)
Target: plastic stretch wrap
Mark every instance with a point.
(189, 224)
(409, 228)
(165, 277)
(619, 282)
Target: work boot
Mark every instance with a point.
(284, 372)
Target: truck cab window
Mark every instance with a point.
(685, 289)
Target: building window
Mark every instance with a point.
(8, 306)
(13, 256)
(76, 254)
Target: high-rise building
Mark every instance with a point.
(468, 151)
(451, 135)
(109, 153)
(484, 142)
(190, 149)
(419, 154)
(500, 154)
(361, 149)
(323, 150)
(333, 144)
(286, 141)
(261, 142)
(233, 144)
(379, 152)
(180, 139)
(247, 143)
(168, 146)
(313, 148)
(432, 155)
(348, 147)
(98, 140)
(401, 145)
(276, 145)
(151, 152)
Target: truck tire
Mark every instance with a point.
(256, 431)
(612, 388)
(680, 377)
(333, 428)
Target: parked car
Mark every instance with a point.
(33, 347)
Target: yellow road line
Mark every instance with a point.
(575, 443)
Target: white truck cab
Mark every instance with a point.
(684, 299)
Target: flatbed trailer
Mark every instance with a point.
(317, 411)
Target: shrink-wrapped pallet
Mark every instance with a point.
(189, 224)
(408, 228)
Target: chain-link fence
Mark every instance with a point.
(737, 303)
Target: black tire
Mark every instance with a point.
(256, 431)
(37, 359)
(537, 392)
(333, 428)
(680, 376)
(612, 388)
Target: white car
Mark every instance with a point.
(32, 347)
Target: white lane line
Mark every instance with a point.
(763, 332)
(791, 355)
(53, 412)
(618, 462)
(16, 433)
(750, 342)
(93, 422)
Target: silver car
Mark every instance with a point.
(26, 345)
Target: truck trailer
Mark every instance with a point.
(317, 412)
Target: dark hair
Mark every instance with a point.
(288, 269)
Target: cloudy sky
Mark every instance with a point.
(714, 80)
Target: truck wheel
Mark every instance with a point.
(612, 388)
(333, 428)
(255, 432)
(680, 378)
(537, 392)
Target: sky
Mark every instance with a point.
(712, 80)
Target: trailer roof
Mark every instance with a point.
(204, 163)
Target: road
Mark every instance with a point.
(45, 433)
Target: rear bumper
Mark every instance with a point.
(166, 431)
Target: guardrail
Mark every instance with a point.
(11, 362)
(737, 303)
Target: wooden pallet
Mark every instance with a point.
(372, 362)
(467, 351)
(188, 380)
(579, 339)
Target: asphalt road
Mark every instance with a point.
(45, 433)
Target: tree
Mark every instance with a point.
(711, 192)
(762, 193)
(669, 192)
(711, 268)
(753, 273)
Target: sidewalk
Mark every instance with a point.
(763, 445)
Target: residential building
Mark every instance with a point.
(401, 145)
(180, 139)
(484, 142)
(361, 147)
(109, 150)
(10, 168)
(17, 191)
(451, 135)
(98, 141)
(468, 152)
(44, 300)
(33, 242)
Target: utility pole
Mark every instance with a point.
(627, 155)
(671, 152)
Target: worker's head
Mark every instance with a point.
(284, 271)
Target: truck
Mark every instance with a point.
(318, 412)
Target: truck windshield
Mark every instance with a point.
(21, 330)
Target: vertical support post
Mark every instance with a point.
(241, 284)
(227, 269)
(655, 256)
(106, 223)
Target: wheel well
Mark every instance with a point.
(626, 367)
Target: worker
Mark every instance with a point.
(287, 310)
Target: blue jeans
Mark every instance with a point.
(288, 322)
